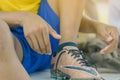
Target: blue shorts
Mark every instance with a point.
(33, 61)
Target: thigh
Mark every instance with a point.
(18, 48)
(8, 43)
(10, 66)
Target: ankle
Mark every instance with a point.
(61, 46)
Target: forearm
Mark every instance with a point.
(88, 25)
(13, 18)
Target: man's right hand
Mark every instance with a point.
(37, 32)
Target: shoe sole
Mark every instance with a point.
(58, 75)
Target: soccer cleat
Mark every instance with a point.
(69, 64)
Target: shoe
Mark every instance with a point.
(69, 64)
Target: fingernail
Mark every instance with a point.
(59, 36)
(49, 54)
(109, 38)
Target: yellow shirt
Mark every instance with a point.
(20, 5)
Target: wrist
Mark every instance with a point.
(13, 18)
(21, 16)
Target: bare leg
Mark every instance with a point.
(69, 25)
(68, 56)
(10, 65)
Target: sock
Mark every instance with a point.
(61, 46)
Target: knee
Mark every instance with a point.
(5, 35)
(3, 26)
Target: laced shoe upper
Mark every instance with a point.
(71, 62)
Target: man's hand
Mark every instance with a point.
(109, 34)
(37, 32)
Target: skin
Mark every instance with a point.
(106, 32)
(36, 30)
(34, 25)
(11, 68)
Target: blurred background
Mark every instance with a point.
(102, 9)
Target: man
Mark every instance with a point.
(31, 45)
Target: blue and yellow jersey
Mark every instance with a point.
(20, 5)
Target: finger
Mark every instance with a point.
(115, 35)
(41, 42)
(109, 48)
(53, 33)
(104, 35)
(29, 42)
(112, 45)
(34, 39)
(45, 35)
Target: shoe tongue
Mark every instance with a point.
(67, 45)
(70, 47)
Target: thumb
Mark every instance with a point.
(53, 33)
(104, 35)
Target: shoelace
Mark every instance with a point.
(80, 56)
